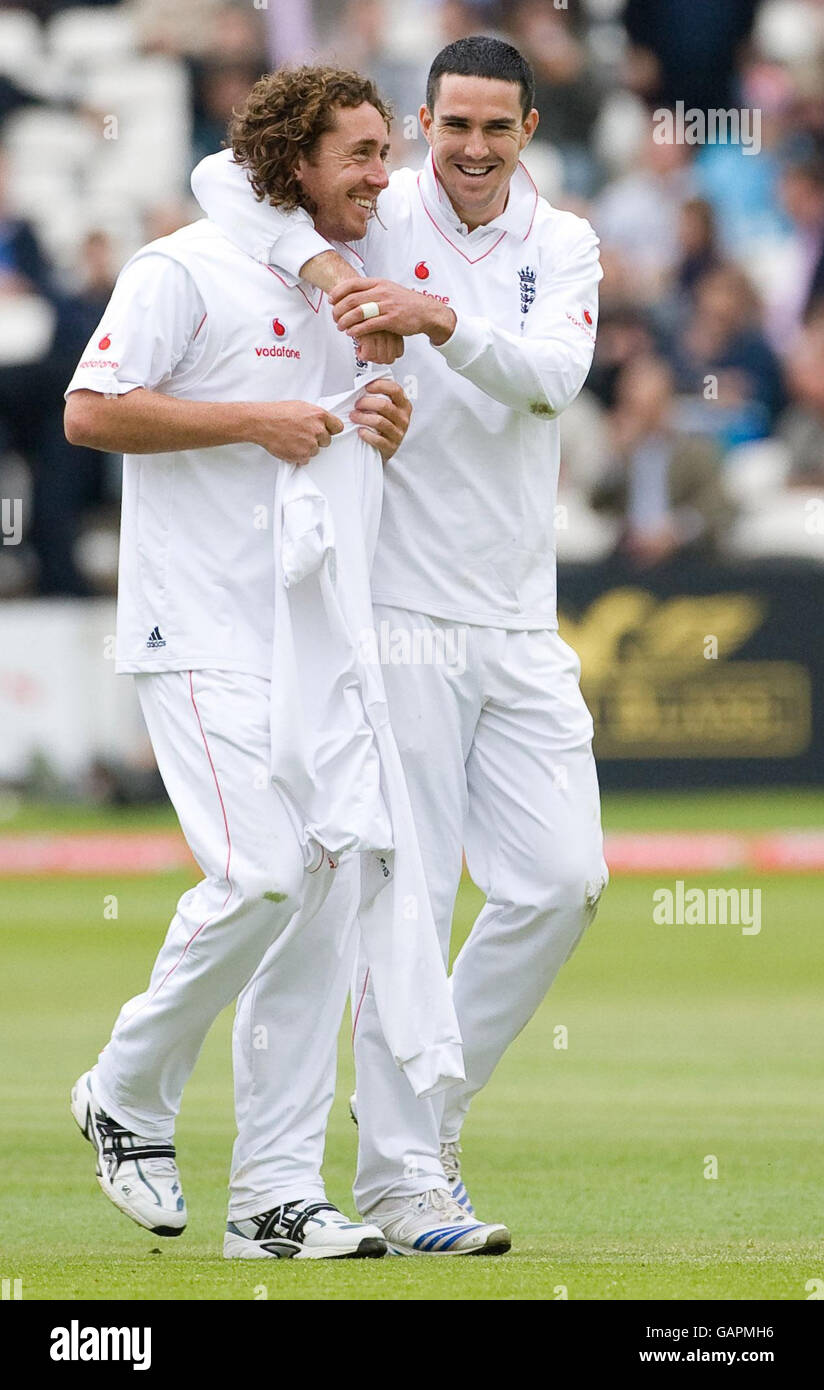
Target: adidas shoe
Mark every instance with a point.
(451, 1164)
(302, 1230)
(139, 1175)
(433, 1224)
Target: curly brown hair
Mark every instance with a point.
(283, 117)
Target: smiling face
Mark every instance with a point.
(346, 171)
(477, 132)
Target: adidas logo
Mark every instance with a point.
(154, 639)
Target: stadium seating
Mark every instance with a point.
(84, 38)
(20, 43)
(124, 149)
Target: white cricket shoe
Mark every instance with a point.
(139, 1175)
(433, 1224)
(303, 1230)
(451, 1164)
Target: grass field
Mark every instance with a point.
(683, 1043)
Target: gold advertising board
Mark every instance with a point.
(662, 679)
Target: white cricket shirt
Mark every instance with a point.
(194, 317)
(468, 524)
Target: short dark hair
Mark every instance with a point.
(481, 56)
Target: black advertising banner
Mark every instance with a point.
(700, 674)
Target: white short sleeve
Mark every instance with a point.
(152, 324)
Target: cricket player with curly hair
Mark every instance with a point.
(209, 371)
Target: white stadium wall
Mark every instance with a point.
(59, 696)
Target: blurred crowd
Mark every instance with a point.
(701, 428)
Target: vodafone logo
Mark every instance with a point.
(278, 352)
(583, 326)
(422, 272)
(105, 342)
(281, 333)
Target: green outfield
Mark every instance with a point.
(685, 1044)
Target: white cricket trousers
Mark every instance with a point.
(210, 733)
(495, 740)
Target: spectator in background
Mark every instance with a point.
(222, 73)
(801, 426)
(697, 245)
(219, 87)
(23, 267)
(26, 325)
(68, 480)
(457, 19)
(725, 362)
(624, 334)
(34, 367)
(637, 215)
(181, 29)
(742, 186)
(78, 312)
(664, 484)
(567, 93)
(362, 42)
(698, 254)
(806, 114)
(237, 33)
(802, 193)
(689, 52)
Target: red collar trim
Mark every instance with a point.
(314, 307)
(449, 240)
(471, 260)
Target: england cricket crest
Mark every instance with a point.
(527, 277)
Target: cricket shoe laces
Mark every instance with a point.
(451, 1164)
(139, 1175)
(120, 1145)
(305, 1229)
(432, 1223)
